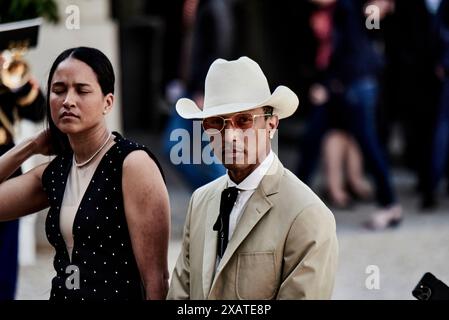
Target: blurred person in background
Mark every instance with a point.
(209, 31)
(440, 145)
(356, 65)
(343, 162)
(353, 76)
(344, 170)
(21, 101)
(412, 84)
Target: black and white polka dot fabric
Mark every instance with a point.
(102, 252)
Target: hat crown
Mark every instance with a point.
(235, 82)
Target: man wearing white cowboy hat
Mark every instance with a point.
(257, 232)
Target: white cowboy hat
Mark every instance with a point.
(238, 85)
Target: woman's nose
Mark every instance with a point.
(69, 100)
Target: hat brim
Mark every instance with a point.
(283, 100)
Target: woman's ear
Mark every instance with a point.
(109, 102)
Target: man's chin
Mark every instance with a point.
(235, 166)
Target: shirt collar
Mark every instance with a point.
(252, 181)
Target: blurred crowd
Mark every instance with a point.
(365, 70)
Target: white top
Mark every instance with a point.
(77, 182)
(246, 190)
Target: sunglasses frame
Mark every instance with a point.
(232, 121)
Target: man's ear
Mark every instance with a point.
(273, 123)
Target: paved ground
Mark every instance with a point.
(401, 255)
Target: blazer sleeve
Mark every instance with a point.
(310, 255)
(180, 282)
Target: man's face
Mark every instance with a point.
(244, 140)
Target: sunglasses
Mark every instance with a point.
(214, 125)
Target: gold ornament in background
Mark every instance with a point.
(3, 136)
(15, 71)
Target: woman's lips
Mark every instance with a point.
(68, 115)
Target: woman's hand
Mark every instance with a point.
(42, 143)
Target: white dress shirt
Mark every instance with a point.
(246, 190)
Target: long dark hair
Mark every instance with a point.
(104, 71)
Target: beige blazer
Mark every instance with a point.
(283, 247)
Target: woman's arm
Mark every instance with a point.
(147, 212)
(24, 194)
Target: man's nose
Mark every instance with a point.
(230, 132)
(228, 124)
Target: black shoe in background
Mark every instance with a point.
(429, 202)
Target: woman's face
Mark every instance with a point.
(77, 103)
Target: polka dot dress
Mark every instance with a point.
(103, 265)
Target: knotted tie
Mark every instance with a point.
(228, 197)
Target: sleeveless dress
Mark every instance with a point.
(102, 265)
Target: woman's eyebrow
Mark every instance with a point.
(81, 84)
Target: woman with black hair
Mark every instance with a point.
(109, 210)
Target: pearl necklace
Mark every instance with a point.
(93, 156)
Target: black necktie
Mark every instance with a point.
(228, 197)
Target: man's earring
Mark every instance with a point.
(104, 112)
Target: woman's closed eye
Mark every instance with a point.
(58, 90)
(83, 89)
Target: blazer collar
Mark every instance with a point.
(258, 205)
(252, 181)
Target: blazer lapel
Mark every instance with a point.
(210, 239)
(257, 207)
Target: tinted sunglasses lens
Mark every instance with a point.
(243, 120)
(213, 124)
